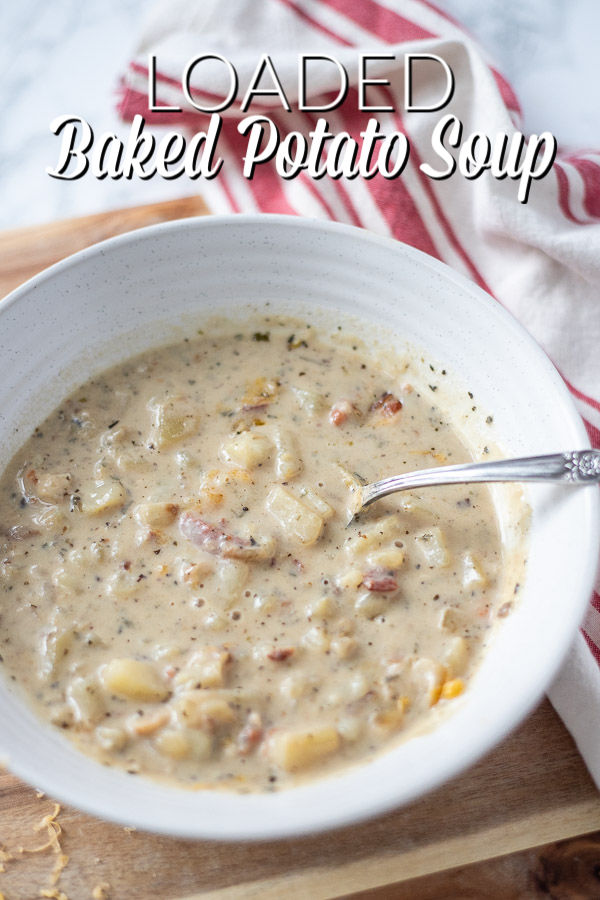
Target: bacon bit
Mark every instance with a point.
(170, 672)
(387, 404)
(250, 735)
(381, 580)
(281, 654)
(220, 543)
(340, 412)
(32, 475)
(210, 538)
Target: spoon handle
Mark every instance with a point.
(575, 467)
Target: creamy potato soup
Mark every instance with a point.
(180, 593)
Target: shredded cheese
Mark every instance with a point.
(54, 831)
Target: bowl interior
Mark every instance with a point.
(151, 287)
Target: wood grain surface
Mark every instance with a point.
(566, 870)
(26, 251)
(472, 838)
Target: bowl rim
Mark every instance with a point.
(328, 818)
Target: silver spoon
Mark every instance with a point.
(574, 467)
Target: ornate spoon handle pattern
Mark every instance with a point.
(582, 465)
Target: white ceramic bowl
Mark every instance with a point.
(143, 289)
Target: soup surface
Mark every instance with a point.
(179, 590)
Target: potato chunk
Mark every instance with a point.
(310, 401)
(55, 646)
(451, 619)
(391, 558)
(206, 669)
(390, 719)
(186, 744)
(369, 605)
(428, 676)
(194, 573)
(298, 521)
(473, 573)
(111, 738)
(107, 494)
(86, 701)
(432, 545)
(232, 575)
(350, 579)
(321, 608)
(344, 647)
(206, 710)
(156, 515)
(293, 750)
(259, 393)
(247, 449)
(316, 502)
(456, 656)
(173, 419)
(133, 679)
(287, 461)
(173, 743)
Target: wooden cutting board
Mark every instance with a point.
(531, 790)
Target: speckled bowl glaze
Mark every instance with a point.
(147, 288)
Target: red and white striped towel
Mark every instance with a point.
(541, 260)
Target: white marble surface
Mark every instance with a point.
(65, 56)
(548, 50)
